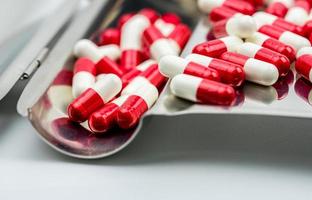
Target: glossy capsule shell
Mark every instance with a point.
(136, 105)
(303, 51)
(108, 66)
(179, 37)
(214, 48)
(272, 44)
(201, 90)
(263, 18)
(255, 51)
(221, 13)
(94, 98)
(109, 36)
(299, 13)
(105, 118)
(157, 43)
(279, 8)
(238, 5)
(303, 66)
(294, 40)
(84, 76)
(256, 71)
(230, 73)
(171, 66)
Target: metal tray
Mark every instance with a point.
(172, 125)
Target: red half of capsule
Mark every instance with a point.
(219, 28)
(212, 48)
(130, 59)
(277, 8)
(272, 31)
(212, 92)
(131, 111)
(109, 36)
(198, 70)
(84, 105)
(308, 28)
(84, 64)
(107, 65)
(288, 26)
(235, 58)
(244, 7)
(180, 34)
(303, 66)
(280, 61)
(150, 35)
(230, 73)
(103, 119)
(129, 76)
(153, 75)
(220, 13)
(280, 47)
(171, 18)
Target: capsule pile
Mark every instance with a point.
(116, 77)
(248, 44)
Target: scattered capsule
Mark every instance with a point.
(171, 66)
(107, 66)
(86, 48)
(221, 13)
(105, 118)
(255, 51)
(94, 98)
(263, 18)
(303, 66)
(201, 90)
(279, 8)
(159, 45)
(256, 71)
(272, 44)
(84, 76)
(131, 35)
(294, 40)
(238, 5)
(299, 13)
(136, 105)
(214, 48)
(230, 73)
(239, 25)
(109, 36)
(179, 37)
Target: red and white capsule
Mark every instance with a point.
(94, 98)
(214, 48)
(171, 66)
(230, 73)
(201, 90)
(294, 40)
(279, 8)
(136, 105)
(303, 64)
(167, 23)
(239, 25)
(157, 43)
(272, 44)
(221, 13)
(179, 37)
(263, 18)
(105, 118)
(131, 35)
(255, 51)
(84, 76)
(256, 71)
(107, 66)
(238, 5)
(86, 48)
(151, 76)
(299, 13)
(109, 36)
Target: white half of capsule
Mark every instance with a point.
(207, 5)
(136, 84)
(231, 42)
(81, 82)
(131, 32)
(248, 49)
(120, 100)
(260, 72)
(257, 38)
(185, 86)
(303, 51)
(164, 27)
(242, 26)
(297, 15)
(294, 40)
(262, 18)
(148, 93)
(170, 66)
(108, 87)
(160, 48)
(199, 59)
(86, 48)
